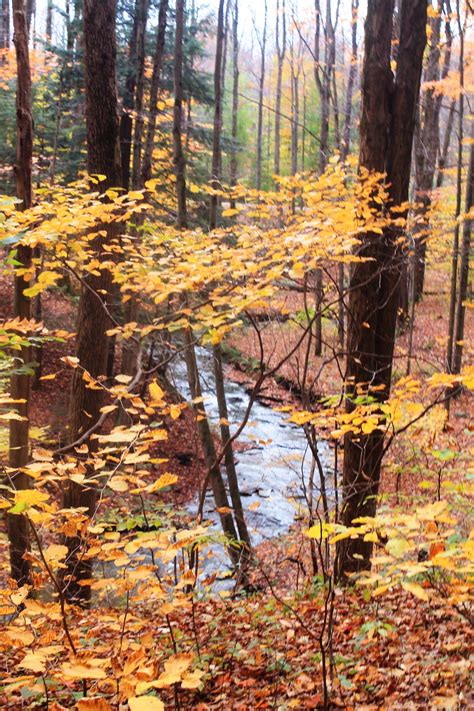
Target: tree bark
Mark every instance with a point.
(235, 99)
(281, 52)
(20, 382)
(428, 147)
(455, 248)
(464, 260)
(386, 138)
(140, 87)
(178, 154)
(216, 135)
(103, 156)
(154, 89)
(5, 25)
(49, 20)
(261, 86)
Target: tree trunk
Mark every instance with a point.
(428, 148)
(140, 87)
(49, 20)
(261, 86)
(207, 444)
(128, 103)
(446, 143)
(386, 137)
(154, 89)
(5, 25)
(103, 157)
(235, 99)
(281, 52)
(216, 135)
(178, 155)
(20, 383)
(346, 135)
(464, 263)
(455, 250)
(229, 459)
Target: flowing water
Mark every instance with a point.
(272, 468)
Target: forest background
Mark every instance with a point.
(214, 216)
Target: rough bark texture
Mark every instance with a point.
(103, 156)
(20, 383)
(154, 89)
(49, 20)
(386, 137)
(178, 154)
(217, 128)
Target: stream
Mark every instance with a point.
(271, 468)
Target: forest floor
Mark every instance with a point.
(392, 652)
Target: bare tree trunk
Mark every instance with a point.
(446, 143)
(216, 135)
(261, 85)
(140, 82)
(281, 52)
(346, 135)
(20, 382)
(229, 459)
(103, 156)
(386, 138)
(5, 25)
(455, 251)
(178, 155)
(428, 146)
(235, 99)
(210, 455)
(30, 14)
(464, 263)
(154, 89)
(49, 20)
(126, 120)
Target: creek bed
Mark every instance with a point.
(273, 466)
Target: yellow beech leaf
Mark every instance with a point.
(156, 392)
(97, 703)
(118, 484)
(55, 552)
(166, 479)
(145, 703)
(230, 212)
(26, 498)
(33, 662)
(191, 680)
(82, 671)
(416, 590)
(175, 667)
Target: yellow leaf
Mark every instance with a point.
(166, 479)
(145, 703)
(416, 590)
(82, 671)
(97, 703)
(175, 667)
(191, 680)
(230, 212)
(33, 662)
(156, 392)
(118, 484)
